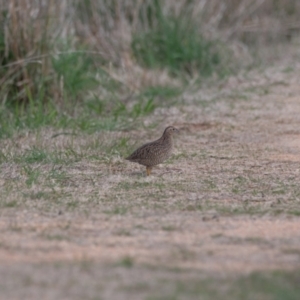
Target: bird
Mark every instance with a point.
(154, 153)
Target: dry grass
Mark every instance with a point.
(34, 31)
(226, 205)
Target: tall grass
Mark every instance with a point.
(174, 42)
(97, 54)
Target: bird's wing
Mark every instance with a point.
(141, 153)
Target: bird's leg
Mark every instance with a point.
(148, 170)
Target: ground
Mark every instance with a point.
(219, 220)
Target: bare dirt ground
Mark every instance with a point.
(226, 205)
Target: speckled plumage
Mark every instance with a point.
(154, 153)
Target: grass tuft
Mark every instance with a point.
(174, 42)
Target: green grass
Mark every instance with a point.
(161, 91)
(91, 115)
(175, 43)
(34, 156)
(32, 175)
(126, 262)
(77, 72)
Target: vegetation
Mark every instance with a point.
(82, 84)
(176, 43)
(69, 65)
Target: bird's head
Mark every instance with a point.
(170, 130)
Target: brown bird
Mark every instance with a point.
(154, 153)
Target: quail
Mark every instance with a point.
(154, 153)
